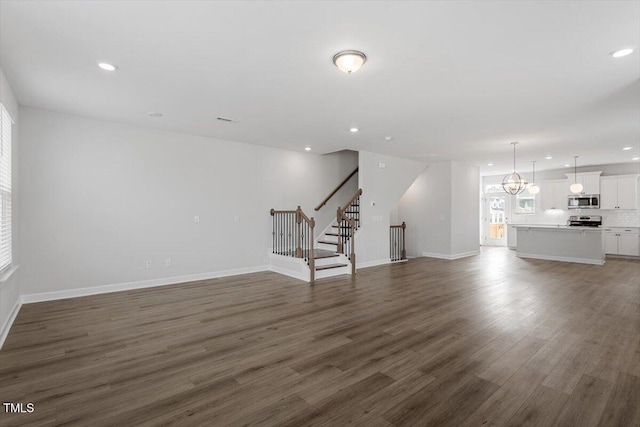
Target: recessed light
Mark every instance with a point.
(388, 138)
(627, 148)
(154, 114)
(354, 130)
(621, 52)
(106, 66)
(567, 165)
(635, 158)
(548, 157)
(489, 164)
(307, 148)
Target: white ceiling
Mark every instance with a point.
(448, 80)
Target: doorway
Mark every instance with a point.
(495, 220)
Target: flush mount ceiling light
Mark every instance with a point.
(489, 164)
(349, 61)
(621, 52)
(548, 158)
(576, 187)
(514, 183)
(106, 66)
(354, 130)
(534, 188)
(307, 148)
(567, 165)
(627, 148)
(388, 138)
(635, 158)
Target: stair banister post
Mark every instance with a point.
(352, 223)
(339, 219)
(404, 249)
(298, 224)
(312, 260)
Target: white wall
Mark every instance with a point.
(441, 211)
(384, 188)
(100, 199)
(10, 285)
(617, 218)
(465, 203)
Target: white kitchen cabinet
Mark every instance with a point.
(590, 182)
(553, 194)
(619, 192)
(622, 241)
(628, 244)
(512, 236)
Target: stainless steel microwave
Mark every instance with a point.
(584, 201)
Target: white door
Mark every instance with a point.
(495, 220)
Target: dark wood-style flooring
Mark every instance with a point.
(485, 340)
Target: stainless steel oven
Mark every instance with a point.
(584, 201)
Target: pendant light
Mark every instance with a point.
(514, 183)
(534, 188)
(576, 187)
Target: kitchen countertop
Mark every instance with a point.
(558, 227)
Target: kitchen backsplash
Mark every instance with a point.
(624, 218)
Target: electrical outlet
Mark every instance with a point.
(381, 165)
(196, 219)
(236, 218)
(149, 264)
(167, 262)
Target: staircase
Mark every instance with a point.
(295, 252)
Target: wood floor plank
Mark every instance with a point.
(489, 339)
(586, 404)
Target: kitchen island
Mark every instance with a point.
(561, 243)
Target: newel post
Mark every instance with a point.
(352, 223)
(312, 260)
(339, 219)
(404, 249)
(298, 237)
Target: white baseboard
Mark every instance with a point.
(561, 258)
(81, 292)
(289, 273)
(4, 330)
(451, 256)
(367, 264)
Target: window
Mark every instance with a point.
(525, 204)
(5, 188)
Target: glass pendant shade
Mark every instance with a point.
(514, 183)
(576, 188)
(349, 61)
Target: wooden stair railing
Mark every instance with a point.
(348, 218)
(293, 235)
(324, 202)
(397, 249)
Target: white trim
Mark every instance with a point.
(561, 258)
(4, 330)
(80, 292)
(289, 273)
(451, 256)
(368, 264)
(6, 275)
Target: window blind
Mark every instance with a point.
(5, 188)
